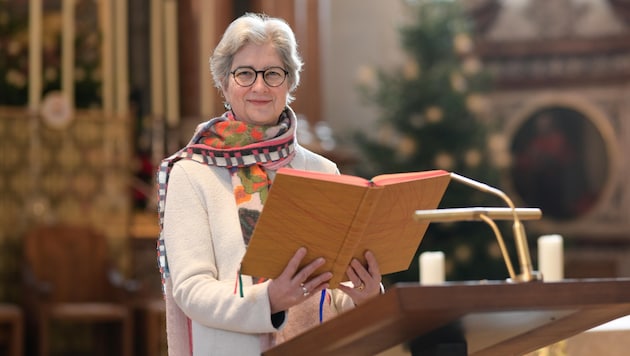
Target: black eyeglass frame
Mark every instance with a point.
(286, 73)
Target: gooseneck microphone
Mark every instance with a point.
(488, 215)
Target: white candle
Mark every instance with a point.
(171, 63)
(157, 62)
(67, 49)
(207, 23)
(157, 80)
(120, 59)
(551, 257)
(107, 65)
(35, 54)
(432, 267)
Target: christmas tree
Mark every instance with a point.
(434, 115)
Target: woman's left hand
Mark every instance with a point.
(366, 282)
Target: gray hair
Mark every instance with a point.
(258, 29)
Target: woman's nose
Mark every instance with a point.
(259, 83)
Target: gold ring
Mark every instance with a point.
(361, 286)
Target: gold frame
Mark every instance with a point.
(591, 111)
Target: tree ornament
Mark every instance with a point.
(462, 43)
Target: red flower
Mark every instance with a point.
(257, 135)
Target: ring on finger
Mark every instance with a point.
(361, 286)
(305, 291)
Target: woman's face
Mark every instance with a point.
(258, 104)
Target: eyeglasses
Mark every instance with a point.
(272, 76)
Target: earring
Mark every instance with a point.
(227, 106)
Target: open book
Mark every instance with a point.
(339, 217)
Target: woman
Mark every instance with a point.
(216, 188)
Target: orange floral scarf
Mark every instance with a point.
(247, 151)
(250, 183)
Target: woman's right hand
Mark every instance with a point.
(293, 286)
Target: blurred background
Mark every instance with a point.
(530, 96)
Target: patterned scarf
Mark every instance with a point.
(247, 151)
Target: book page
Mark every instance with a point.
(393, 178)
(338, 178)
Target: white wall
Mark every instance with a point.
(356, 34)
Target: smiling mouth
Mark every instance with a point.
(259, 101)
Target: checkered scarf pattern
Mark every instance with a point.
(270, 153)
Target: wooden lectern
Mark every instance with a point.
(480, 318)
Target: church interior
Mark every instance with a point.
(94, 94)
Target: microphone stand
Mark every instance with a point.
(499, 236)
(485, 214)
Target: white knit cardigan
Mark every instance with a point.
(204, 245)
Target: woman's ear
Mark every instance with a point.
(223, 90)
(226, 98)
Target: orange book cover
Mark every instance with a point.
(339, 217)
